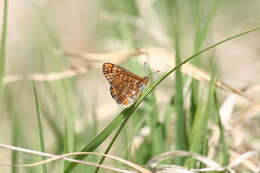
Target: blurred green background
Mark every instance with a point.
(64, 115)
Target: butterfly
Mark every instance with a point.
(125, 86)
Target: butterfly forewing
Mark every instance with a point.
(125, 86)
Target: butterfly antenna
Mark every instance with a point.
(145, 69)
(148, 71)
(154, 72)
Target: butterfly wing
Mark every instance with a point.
(125, 86)
(116, 95)
(115, 74)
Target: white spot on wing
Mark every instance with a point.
(131, 102)
(142, 87)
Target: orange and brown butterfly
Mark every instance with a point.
(125, 86)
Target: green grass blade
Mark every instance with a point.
(198, 136)
(198, 139)
(222, 156)
(201, 33)
(156, 144)
(114, 138)
(54, 128)
(181, 135)
(128, 111)
(18, 134)
(122, 117)
(40, 129)
(70, 121)
(3, 44)
(16, 129)
(15, 137)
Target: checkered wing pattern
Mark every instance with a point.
(125, 86)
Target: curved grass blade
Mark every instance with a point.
(126, 113)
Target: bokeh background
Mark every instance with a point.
(53, 39)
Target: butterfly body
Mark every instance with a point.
(125, 86)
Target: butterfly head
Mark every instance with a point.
(146, 79)
(144, 82)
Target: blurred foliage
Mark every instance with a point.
(69, 114)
